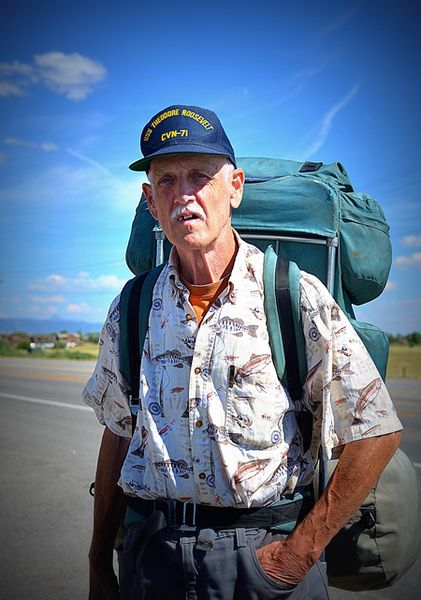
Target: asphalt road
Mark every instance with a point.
(49, 443)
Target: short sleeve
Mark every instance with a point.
(106, 392)
(343, 388)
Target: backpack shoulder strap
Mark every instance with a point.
(135, 304)
(271, 311)
(283, 314)
(144, 306)
(295, 295)
(129, 302)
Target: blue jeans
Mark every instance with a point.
(207, 565)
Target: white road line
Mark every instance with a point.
(417, 465)
(42, 401)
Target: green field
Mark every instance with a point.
(86, 351)
(404, 362)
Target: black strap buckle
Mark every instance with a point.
(368, 516)
(188, 522)
(180, 515)
(310, 167)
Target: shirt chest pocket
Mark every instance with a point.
(256, 404)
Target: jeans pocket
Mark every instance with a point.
(276, 583)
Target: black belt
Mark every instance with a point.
(187, 515)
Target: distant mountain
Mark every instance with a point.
(32, 326)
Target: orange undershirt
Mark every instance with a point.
(203, 296)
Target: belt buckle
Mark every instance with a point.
(169, 508)
(188, 524)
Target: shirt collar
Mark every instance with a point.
(244, 266)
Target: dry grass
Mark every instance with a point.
(404, 362)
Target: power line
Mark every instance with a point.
(55, 269)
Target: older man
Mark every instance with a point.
(216, 461)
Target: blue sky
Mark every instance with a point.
(327, 81)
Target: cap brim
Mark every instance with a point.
(143, 163)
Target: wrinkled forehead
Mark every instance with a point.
(175, 162)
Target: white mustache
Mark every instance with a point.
(188, 209)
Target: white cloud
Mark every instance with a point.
(83, 282)
(407, 262)
(56, 279)
(7, 88)
(82, 307)
(42, 312)
(412, 240)
(109, 282)
(54, 299)
(48, 147)
(45, 146)
(51, 305)
(71, 75)
(15, 78)
(327, 122)
(17, 68)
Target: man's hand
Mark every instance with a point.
(109, 506)
(278, 561)
(103, 585)
(289, 560)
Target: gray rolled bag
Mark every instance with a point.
(381, 541)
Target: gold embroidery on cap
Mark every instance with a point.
(147, 135)
(196, 117)
(174, 133)
(168, 113)
(175, 112)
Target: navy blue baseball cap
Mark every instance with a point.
(182, 129)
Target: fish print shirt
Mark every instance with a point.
(215, 425)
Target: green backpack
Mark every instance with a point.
(310, 214)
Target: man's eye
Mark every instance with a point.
(165, 180)
(200, 176)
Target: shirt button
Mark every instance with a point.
(199, 423)
(198, 370)
(202, 475)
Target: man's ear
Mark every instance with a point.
(147, 190)
(237, 183)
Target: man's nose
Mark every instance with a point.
(185, 191)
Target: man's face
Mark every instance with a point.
(192, 197)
